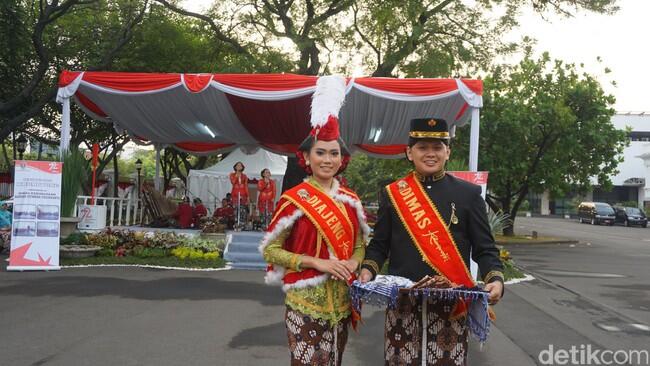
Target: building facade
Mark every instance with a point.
(631, 184)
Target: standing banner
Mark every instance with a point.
(480, 179)
(36, 216)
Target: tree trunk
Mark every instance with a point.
(13, 144)
(5, 156)
(116, 178)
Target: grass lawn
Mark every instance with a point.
(169, 261)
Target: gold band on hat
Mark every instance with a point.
(429, 135)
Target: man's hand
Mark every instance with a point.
(496, 290)
(365, 275)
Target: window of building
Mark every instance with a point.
(640, 136)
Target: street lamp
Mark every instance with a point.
(21, 145)
(138, 167)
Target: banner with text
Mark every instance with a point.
(36, 216)
(480, 179)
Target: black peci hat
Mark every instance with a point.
(429, 128)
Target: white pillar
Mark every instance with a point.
(473, 166)
(65, 126)
(473, 141)
(156, 179)
(546, 198)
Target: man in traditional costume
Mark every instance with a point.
(316, 239)
(429, 224)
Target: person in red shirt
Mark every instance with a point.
(199, 211)
(266, 194)
(225, 214)
(239, 182)
(184, 214)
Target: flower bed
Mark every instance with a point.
(148, 248)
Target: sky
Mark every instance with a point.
(620, 40)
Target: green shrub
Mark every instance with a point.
(74, 174)
(75, 238)
(149, 252)
(105, 252)
(498, 221)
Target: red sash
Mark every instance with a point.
(428, 230)
(329, 218)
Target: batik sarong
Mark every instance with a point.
(445, 338)
(315, 342)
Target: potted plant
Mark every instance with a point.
(73, 176)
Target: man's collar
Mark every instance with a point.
(431, 178)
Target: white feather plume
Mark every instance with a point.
(327, 99)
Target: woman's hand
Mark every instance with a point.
(351, 264)
(335, 267)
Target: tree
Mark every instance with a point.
(367, 175)
(105, 25)
(545, 125)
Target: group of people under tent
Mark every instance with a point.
(235, 209)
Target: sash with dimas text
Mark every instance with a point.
(328, 217)
(428, 230)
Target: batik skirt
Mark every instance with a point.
(315, 341)
(444, 341)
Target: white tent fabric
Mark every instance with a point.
(214, 113)
(212, 184)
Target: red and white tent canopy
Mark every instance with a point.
(208, 113)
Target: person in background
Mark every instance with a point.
(5, 216)
(5, 227)
(265, 197)
(239, 182)
(225, 214)
(199, 211)
(184, 214)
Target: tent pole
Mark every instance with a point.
(65, 127)
(156, 181)
(473, 141)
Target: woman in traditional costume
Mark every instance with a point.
(239, 182)
(316, 239)
(265, 196)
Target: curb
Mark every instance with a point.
(539, 242)
(226, 268)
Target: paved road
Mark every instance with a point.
(132, 316)
(586, 294)
(595, 292)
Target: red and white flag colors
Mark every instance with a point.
(208, 113)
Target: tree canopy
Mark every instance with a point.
(430, 38)
(545, 125)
